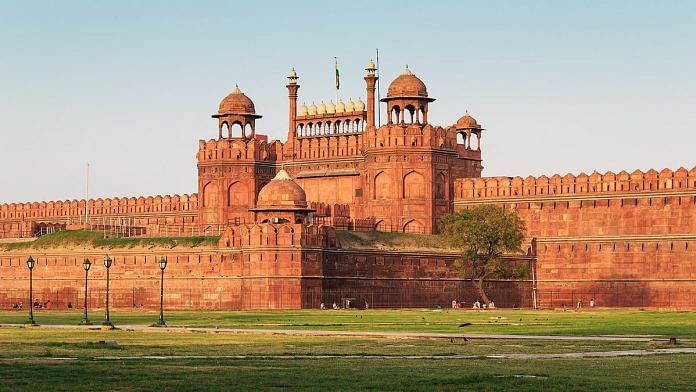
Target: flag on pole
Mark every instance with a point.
(338, 81)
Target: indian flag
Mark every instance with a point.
(338, 79)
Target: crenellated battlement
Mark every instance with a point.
(279, 235)
(52, 210)
(256, 148)
(569, 184)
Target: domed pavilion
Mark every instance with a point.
(281, 201)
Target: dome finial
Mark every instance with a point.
(407, 71)
(236, 89)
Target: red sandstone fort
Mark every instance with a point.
(623, 239)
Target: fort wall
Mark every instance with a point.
(623, 239)
(19, 220)
(255, 277)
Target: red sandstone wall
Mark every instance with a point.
(625, 239)
(256, 277)
(21, 219)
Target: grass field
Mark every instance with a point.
(681, 324)
(71, 359)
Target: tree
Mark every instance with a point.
(484, 233)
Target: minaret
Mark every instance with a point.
(292, 95)
(371, 81)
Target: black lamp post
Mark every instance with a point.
(30, 264)
(162, 265)
(86, 265)
(107, 319)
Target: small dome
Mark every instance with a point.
(340, 107)
(370, 66)
(467, 122)
(236, 103)
(321, 109)
(292, 74)
(350, 106)
(282, 193)
(312, 110)
(303, 110)
(331, 108)
(359, 106)
(407, 85)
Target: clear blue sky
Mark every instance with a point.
(130, 85)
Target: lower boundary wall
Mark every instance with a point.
(206, 279)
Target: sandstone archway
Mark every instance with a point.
(414, 186)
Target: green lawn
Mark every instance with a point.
(673, 373)
(680, 324)
(34, 359)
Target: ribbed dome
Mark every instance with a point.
(359, 106)
(407, 85)
(350, 106)
(312, 109)
(321, 109)
(236, 103)
(303, 110)
(331, 108)
(282, 193)
(467, 122)
(340, 107)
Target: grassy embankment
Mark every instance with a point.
(349, 240)
(95, 239)
(392, 241)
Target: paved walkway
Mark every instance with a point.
(306, 332)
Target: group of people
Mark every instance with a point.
(335, 306)
(476, 305)
(36, 305)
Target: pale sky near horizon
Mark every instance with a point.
(129, 86)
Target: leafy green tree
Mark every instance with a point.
(484, 233)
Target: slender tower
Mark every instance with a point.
(292, 114)
(371, 80)
(292, 95)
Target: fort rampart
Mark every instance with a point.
(623, 239)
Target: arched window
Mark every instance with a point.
(414, 186)
(411, 113)
(441, 186)
(394, 115)
(382, 186)
(209, 195)
(235, 130)
(225, 129)
(237, 194)
(413, 226)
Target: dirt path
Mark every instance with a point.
(591, 354)
(294, 332)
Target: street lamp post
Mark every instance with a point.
(107, 319)
(30, 264)
(162, 265)
(86, 265)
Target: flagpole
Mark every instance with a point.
(337, 77)
(87, 198)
